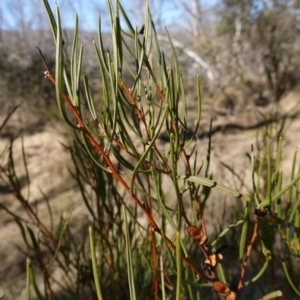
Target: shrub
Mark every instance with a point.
(149, 202)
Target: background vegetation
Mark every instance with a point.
(147, 211)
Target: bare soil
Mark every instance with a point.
(47, 163)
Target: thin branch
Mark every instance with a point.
(117, 175)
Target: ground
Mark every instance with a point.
(233, 135)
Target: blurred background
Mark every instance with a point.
(246, 51)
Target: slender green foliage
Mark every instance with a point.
(158, 226)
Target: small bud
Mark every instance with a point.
(197, 234)
(221, 288)
(214, 259)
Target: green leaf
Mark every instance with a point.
(51, 18)
(215, 185)
(89, 98)
(32, 276)
(259, 274)
(244, 232)
(226, 230)
(272, 295)
(150, 145)
(178, 266)
(286, 272)
(59, 71)
(94, 264)
(129, 258)
(60, 238)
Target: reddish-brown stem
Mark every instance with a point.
(15, 190)
(44, 231)
(148, 163)
(141, 117)
(189, 172)
(46, 273)
(115, 173)
(164, 100)
(248, 253)
(103, 154)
